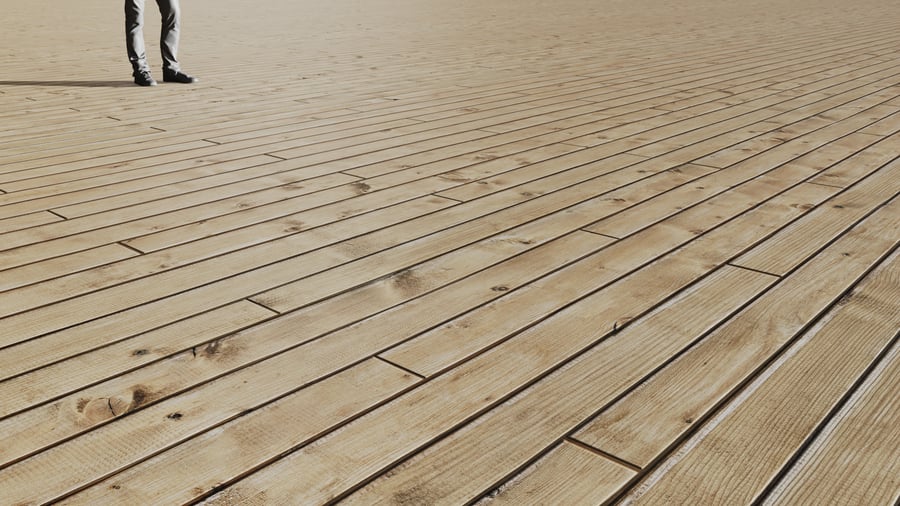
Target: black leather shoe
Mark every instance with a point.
(143, 78)
(178, 77)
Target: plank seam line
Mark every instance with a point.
(824, 184)
(830, 420)
(275, 156)
(160, 129)
(132, 248)
(758, 271)
(448, 198)
(787, 100)
(54, 213)
(628, 390)
(714, 415)
(727, 407)
(603, 454)
(704, 165)
(398, 366)
(585, 229)
(358, 178)
(209, 140)
(260, 304)
(582, 147)
(284, 454)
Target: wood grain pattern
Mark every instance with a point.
(569, 474)
(681, 394)
(855, 458)
(398, 250)
(774, 416)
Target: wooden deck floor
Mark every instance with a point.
(425, 252)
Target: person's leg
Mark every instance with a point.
(134, 35)
(168, 39)
(168, 42)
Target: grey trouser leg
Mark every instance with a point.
(168, 39)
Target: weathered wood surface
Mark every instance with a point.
(415, 252)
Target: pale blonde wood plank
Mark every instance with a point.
(808, 165)
(29, 174)
(113, 226)
(701, 252)
(48, 382)
(685, 391)
(482, 162)
(61, 266)
(219, 456)
(294, 295)
(416, 102)
(801, 239)
(28, 220)
(534, 171)
(855, 459)
(887, 126)
(735, 456)
(794, 109)
(477, 384)
(274, 368)
(466, 463)
(191, 294)
(284, 218)
(91, 188)
(156, 381)
(456, 340)
(845, 174)
(405, 285)
(569, 474)
(119, 195)
(472, 151)
(345, 394)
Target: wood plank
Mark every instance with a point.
(251, 440)
(293, 295)
(633, 219)
(27, 221)
(345, 394)
(885, 127)
(448, 344)
(28, 174)
(796, 109)
(348, 459)
(801, 239)
(772, 417)
(463, 465)
(284, 218)
(569, 474)
(435, 419)
(191, 297)
(518, 176)
(40, 385)
(91, 188)
(100, 257)
(94, 230)
(854, 459)
(845, 174)
(679, 399)
(412, 286)
(426, 192)
(223, 356)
